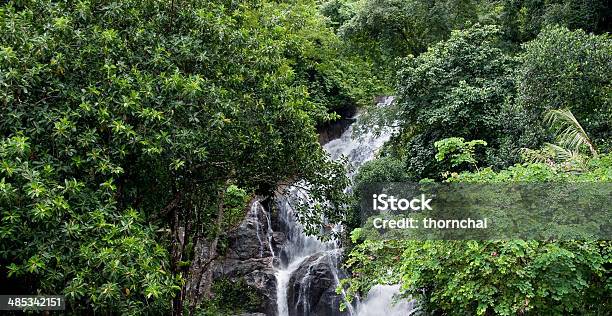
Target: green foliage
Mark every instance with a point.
(462, 87)
(569, 133)
(522, 20)
(570, 137)
(494, 277)
(556, 156)
(235, 202)
(489, 277)
(338, 11)
(381, 170)
(335, 78)
(386, 29)
(384, 169)
(508, 277)
(125, 120)
(231, 297)
(74, 240)
(458, 150)
(564, 69)
(597, 170)
(371, 262)
(471, 87)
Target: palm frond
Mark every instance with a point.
(533, 156)
(569, 132)
(562, 153)
(568, 159)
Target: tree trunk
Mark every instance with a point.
(200, 275)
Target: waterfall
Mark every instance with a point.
(269, 232)
(297, 248)
(380, 301)
(308, 253)
(255, 209)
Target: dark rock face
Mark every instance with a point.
(332, 130)
(249, 256)
(312, 287)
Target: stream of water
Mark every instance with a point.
(300, 251)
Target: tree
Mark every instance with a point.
(563, 69)
(462, 87)
(386, 29)
(522, 20)
(339, 11)
(570, 141)
(128, 129)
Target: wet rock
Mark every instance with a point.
(248, 257)
(251, 239)
(278, 240)
(312, 287)
(332, 130)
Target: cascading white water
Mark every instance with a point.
(359, 148)
(296, 250)
(254, 218)
(300, 247)
(380, 301)
(255, 207)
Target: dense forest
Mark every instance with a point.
(136, 134)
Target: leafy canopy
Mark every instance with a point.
(563, 69)
(123, 121)
(462, 87)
